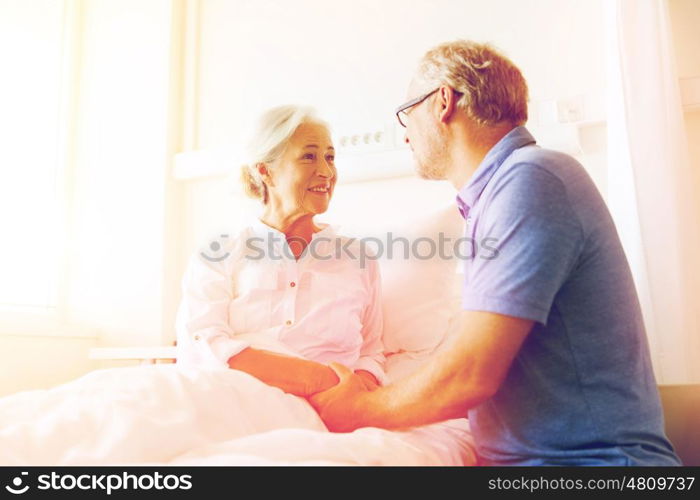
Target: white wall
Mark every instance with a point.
(685, 19)
(353, 62)
(41, 362)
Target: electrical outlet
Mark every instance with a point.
(366, 141)
(570, 110)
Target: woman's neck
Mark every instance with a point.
(298, 229)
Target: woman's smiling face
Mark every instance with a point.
(303, 178)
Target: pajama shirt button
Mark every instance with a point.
(196, 337)
(292, 284)
(288, 322)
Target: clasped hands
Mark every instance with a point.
(340, 405)
(336, 393)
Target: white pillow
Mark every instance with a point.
(421, 296)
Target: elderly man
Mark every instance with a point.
(550, 362)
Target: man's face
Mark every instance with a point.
(424, 135)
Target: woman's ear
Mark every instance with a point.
(264, 173)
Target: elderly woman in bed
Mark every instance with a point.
(278, 300)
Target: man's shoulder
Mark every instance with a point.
(536, 185)
(532, 171)
(534, 162)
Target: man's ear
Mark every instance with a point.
(447, 101)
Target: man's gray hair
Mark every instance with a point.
(493, 88)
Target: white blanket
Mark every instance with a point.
(166, 414)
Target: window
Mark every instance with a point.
(31, 34)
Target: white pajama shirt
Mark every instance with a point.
(324, 307)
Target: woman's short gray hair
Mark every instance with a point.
(269, 141)
(493, 88)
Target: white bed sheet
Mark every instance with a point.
(169, 415)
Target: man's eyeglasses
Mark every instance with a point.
(401, 111)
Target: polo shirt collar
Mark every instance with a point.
(470, 193)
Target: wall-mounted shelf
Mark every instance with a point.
(380, 152)
(146, 355)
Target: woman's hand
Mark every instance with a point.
(344, 406)
(370, 381)
(323, 379)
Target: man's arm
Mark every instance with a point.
(539, 239)
(464, 374)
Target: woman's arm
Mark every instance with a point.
(370, 365)
(293, 375)
(204, 336)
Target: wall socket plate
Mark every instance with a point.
(371, 140)
(570, 110)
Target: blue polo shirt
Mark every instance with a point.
(581, 390)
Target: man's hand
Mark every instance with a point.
(466, 372)
(340, 407)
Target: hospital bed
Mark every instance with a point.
(163, 414)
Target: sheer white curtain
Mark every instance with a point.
(653, 192)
